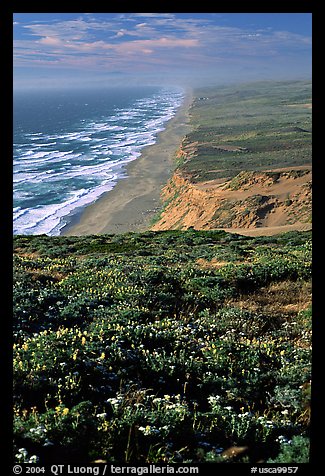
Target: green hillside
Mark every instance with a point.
(253, 126)
(162, 347)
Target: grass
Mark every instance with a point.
(258, 117)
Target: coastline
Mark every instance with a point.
(135, 199)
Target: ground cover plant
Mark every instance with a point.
(177, 346)
(256, 126)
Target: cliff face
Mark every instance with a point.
(250, 200)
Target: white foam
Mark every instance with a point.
(45, 145)
(34, 134)
(109, 144)
(48, 219)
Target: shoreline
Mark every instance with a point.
(134, 201)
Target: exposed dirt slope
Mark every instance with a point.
(251, 200)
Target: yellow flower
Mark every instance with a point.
(102, 355)
(83, 341)
(65, 411)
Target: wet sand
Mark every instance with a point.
(135, 200)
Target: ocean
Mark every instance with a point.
(70, 147)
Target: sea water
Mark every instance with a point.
(70, 147)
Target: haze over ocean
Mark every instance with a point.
(70, 147)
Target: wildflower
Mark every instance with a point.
(145, 430)
(113, 401)
(165, 428)
(212, 399)
(148, 430)
(282, 439)
(101, 415)
(22, 451)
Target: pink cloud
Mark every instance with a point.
(50, 41)
(126, 48)
(171, 42)
(150, 45)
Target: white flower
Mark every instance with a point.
(22, 454)
(145, 430)
(165, 427)
(283, 439)
(148, 430)
(113, 401)
(101, 415)
(213, 399)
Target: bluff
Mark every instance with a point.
(246, 164)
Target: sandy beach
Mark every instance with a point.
(135, 200)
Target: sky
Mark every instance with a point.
(56, 50)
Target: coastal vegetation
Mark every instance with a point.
(162, 347)
(254, 126)
(253, 140)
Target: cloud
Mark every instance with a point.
(151, 42)
(160, 43)
(50, 41)
(154, 15)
